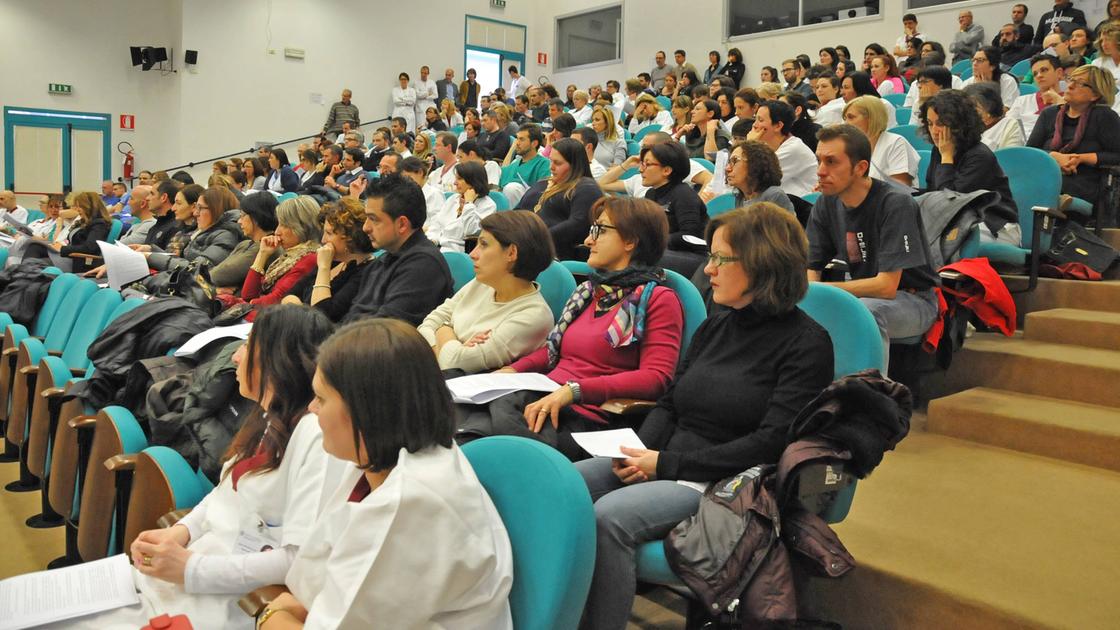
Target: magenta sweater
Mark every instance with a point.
(641, 370)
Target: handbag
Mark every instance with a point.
(1073, 243)
(190, 282)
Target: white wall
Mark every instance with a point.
(85, 44)
(651, 25)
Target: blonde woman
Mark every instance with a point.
(769, 91)
(581, 111)
(449, 115)
(891, 155)
(298, 233)
(422, 148)
(647, 111)
(611, 149)
(1108, 43)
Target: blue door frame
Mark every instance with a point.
(56, 119)
(504, 54)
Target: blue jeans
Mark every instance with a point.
(626, 516)
(907, 315)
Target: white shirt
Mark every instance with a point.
(1008, 87)
(893, 155)
(433, 200)
(426, 94)
(19, 213)
(597, 169)
(377, 564)
(493, 173)
(404, 105)
(662, 119)
(448, 228)
(635, 188)
(1106, 63)
(912, 94)
(443, 178)
(518, 86)
(582, 115)
(831, 113)
(799, 167)
(1008, 132)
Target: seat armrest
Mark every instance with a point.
(52, 392)
(627, 406)
(1055, 213)
(82, 422)
(253, 603)
(120, 463)
(29, 369)
(172, 517)
(54, 353)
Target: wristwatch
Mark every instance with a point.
(576, 393)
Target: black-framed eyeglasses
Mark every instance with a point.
(719, 260)
(645, 164)
(597, 230)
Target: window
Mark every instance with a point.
(923, 4)
(749, 17)
(589, 38)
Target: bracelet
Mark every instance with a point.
(268, 613)
(320, 286)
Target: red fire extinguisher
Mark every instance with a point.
(129, 161)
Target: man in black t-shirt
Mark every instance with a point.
(877, 231)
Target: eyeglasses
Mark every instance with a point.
(597, 230)
(735, 161)
(719, 260)
(1074, 83)
(643, 164)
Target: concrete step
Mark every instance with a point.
(1069, 431)
(951, 534)
(1095, 329)
(1052, 293)
(1077, 373)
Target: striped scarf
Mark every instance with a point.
(632, 287)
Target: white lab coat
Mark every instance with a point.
(450, 229)
(286, 500)
(404, 105)
(426, 95)
(426, 549)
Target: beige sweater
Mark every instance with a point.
(516, 328)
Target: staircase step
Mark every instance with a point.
(1078, 373)
(1052, 293)
(1069, 431)
(1096, 329)
(951, 534)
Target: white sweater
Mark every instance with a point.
(516, 327)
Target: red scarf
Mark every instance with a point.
(1056, 139)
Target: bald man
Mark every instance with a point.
(967, 39)
(446, 88)
(342, 111)
(142, 216)
(9, 207)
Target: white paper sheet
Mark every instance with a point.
(48, 596)
(607, 443)
(122, 264)
(199, 341)
(718, 185)
(480, 389)
(694, 240)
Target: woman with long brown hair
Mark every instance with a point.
(564, 200)
(91, 226)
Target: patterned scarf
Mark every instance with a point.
(285, 262)
(632, 287)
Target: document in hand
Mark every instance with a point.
(607, 443)
(122, 264)
(480, 389)
(45, 597)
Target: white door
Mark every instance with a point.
(37, 163)
(86, 157)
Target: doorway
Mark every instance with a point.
(50, 151)
(492, 46)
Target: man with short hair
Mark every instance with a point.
(416, 169)
(442, 178)
(484, 103)
(518, 84)
(107, 195)
(142, 220)
(590, 141)
(9, 207)
(659, 72)
(1062, 18)
(791, 73)
(867, 238)
(521, 112)
(683, 65)
(538, 103)
(1019, 19)
(1011, 50)
(379, 146)
(524, 166)
(411, 278)
(329, 164)
(446, 87)
(773, 126)
(909, 32)
(397, 126)
(144, 178)
(555, 108)
(352, 140)
(493, 140)
(468, 91)
(930, 81)
(470, 152)
(645, 81)
(1048, 76)
(342, 111)
(968, 38)
(349, 170)
(390, 164)
(426, 93)
(160, 233)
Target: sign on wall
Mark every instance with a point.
(60, 88)
(128, 122)
(542, 59)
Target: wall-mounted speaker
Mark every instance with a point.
(159, 54)
(191, 57)
(137, 55)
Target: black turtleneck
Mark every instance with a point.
(744, 379)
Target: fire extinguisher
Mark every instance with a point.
(129, 160)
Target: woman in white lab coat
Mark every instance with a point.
(404, 102)
(410, 539)
(246, 532)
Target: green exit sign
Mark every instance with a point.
(60, 88)
(498, 4)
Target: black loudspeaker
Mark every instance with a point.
(147, 57)
(137, 55)
(159, 54)
(191, 57)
